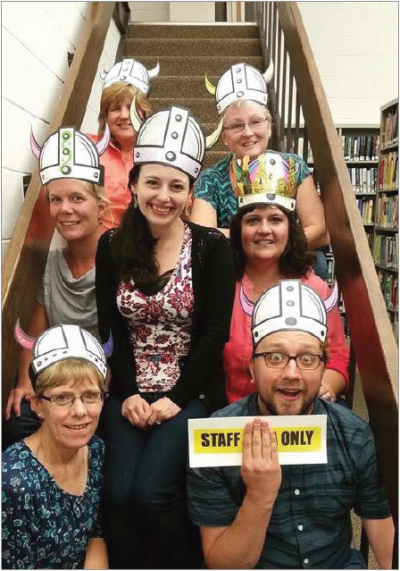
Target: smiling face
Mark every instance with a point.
(249, 141)
(265, 233)
(162, 194)
(119, 122)
(69, 427)
(289, 390)
(74, 209)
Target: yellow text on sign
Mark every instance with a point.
(229, 441)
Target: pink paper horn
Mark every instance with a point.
(331, 301)
(104, 141)
(247, 305)
(22, 338)
(36, 150)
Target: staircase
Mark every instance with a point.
(186, 53)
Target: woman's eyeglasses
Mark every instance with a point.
(66, 401)
(254, 124)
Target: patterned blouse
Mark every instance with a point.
(44, 527)
(160, 324)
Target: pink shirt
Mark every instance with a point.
(238, 350)
(116, 175)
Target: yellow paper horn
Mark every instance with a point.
(210, 87)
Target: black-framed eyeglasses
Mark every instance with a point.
(254, 124)
(66, 401)
(305, 361)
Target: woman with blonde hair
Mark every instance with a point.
(125, 80)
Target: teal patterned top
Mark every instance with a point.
(44, 527)
(214, 186)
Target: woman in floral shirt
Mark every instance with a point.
(164, 288)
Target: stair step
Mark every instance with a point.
(203, 109)
(198, 65)
(189, 47)
(183, 85)
(191, 31)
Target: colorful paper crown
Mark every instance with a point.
(291, 306)
(67, 153)
(171, 137)
(130, 71)
(268, 179)
(241, 82)
(64, 342)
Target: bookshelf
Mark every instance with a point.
(385, 246)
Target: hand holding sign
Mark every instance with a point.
(261, 471)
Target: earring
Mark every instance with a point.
(135, 201)
(100, 222)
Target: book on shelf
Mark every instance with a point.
(387, 211)
(359, 147)
(363, 179)
(386, 251)
(389, 287)
(389, 171)
(366, 209)
(390, 124)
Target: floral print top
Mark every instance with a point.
(160, 324)
(44, 527)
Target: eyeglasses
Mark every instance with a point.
(305, 362)
(254, 124)
(65, 401)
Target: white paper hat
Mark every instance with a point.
(291, 306)
(241, 82)
(130, 71)
(67, 153)
(64, 342)
(171, 137)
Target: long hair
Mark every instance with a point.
(134, 246)
(296, 259)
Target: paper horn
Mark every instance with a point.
(331, 301)
(209, 86)
(269, 72)
(135, 118)
(246, 304)
(155, 71)
(108, 346)
(212, 139)
(104, 141)
(103, 74)
(36, 150)
(22, 338)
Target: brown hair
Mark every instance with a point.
(61, 372)
(116, 93)
(296, 259)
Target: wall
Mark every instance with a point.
(192, 11)
(355, 45)
(36, 39)
(149, 11)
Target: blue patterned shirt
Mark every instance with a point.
(310, 526)
(215, 187)
(44, 527)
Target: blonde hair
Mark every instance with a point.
(240, 102)
(116, 93)
(70, 369)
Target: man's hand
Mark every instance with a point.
(261, 471)
(22, 391)
(161, 410)
(136, 410)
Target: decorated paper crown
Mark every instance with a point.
(67, 153)
(171, 137)
(291, 306)
(130, 71)
(241, 82)
(268, 179)
(64, 342)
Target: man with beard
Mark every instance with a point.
(265, 516)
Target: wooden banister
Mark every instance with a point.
(371, 333)
(26, 256)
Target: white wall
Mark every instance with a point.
(149, 11)
(36, 39)
(192, 11)
(355, 45)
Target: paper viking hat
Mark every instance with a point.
(267, 179)
(67, 153)
(130, 71)
(64, 342)
(241, 82)
(291, 306)
(171, 137)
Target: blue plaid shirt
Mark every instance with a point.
(310, 525)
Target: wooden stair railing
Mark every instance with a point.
(297, 91)
(26, 256)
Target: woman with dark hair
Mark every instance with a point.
(165, 289)
(268, 244)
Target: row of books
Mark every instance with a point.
(363, 179)
(366, 209)
(389, 286)
(390, 126)
(387, 211)
(386, 251)
(346, 329)
(389, 171)
(360, 147)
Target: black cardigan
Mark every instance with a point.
(202, 373)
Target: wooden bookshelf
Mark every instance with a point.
(385, 246)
